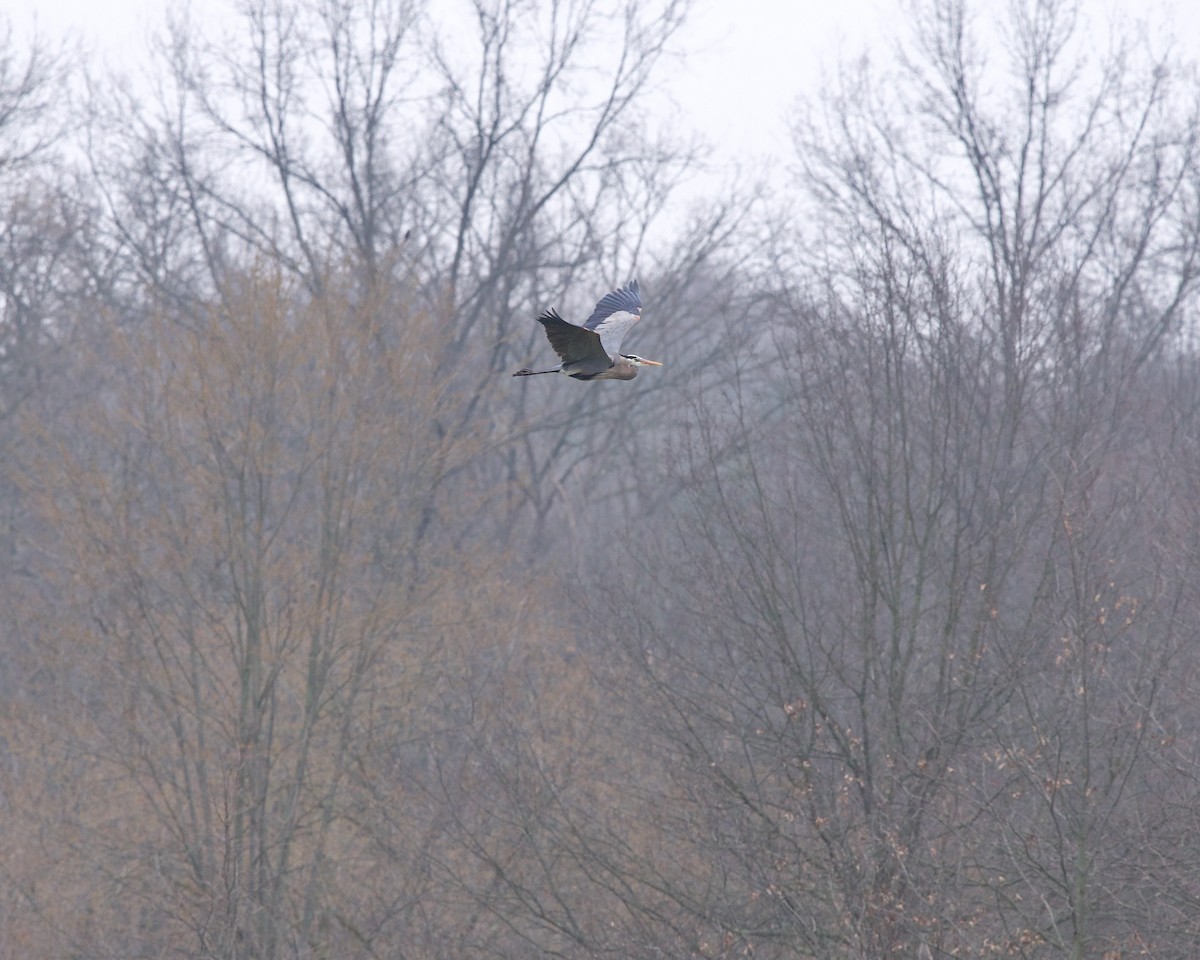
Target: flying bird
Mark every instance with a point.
(591, 351)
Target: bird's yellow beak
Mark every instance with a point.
(651, 363)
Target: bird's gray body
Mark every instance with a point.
(592, 351)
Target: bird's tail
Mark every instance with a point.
(533, 373)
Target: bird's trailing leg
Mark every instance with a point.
(526, 372)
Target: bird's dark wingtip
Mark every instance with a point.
(523, 372)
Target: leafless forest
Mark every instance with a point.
(868, 627)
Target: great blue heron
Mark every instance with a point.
(591, 352)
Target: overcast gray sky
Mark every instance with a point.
(748, 60)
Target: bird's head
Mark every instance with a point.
(634, 360)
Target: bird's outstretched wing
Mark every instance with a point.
(615, 313)
(572, 344)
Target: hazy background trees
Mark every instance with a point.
(914, 593)
(864, 624)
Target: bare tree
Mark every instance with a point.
(40, 221)
(916, 535)
(242, 618)
(31, 91)
(491, 161)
